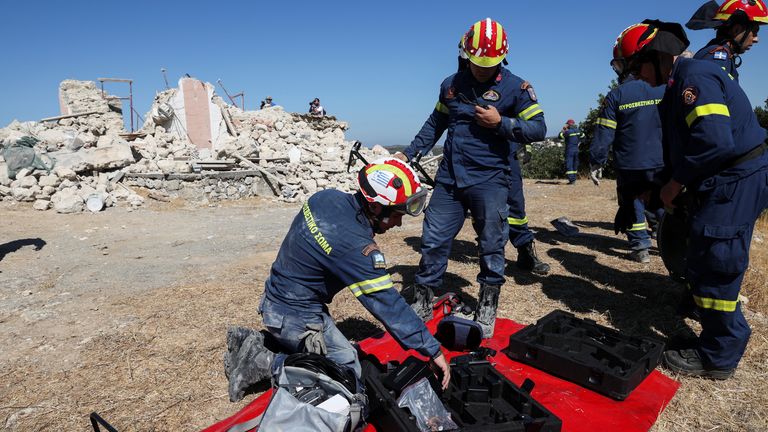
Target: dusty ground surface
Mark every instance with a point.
(125, 313)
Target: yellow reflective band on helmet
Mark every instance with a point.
(571, 172)
(761, 19)
(716, 304)
(371, 286)
(705, 110)
(529, 112)
(476, 35)
(606, 122)
(499, 36)
(638, 227)
(513, 221)
(396, 171)
(486, 61)
(439, 107)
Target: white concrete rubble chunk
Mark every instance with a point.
(64, 173)
(49, 180)
(41, 204)
(67, 203)
(22, 194)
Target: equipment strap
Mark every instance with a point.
(748, 156)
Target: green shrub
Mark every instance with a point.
(546, 162)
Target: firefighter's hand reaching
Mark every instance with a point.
(487, 117)
(442, 363)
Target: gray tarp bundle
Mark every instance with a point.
(21, 154)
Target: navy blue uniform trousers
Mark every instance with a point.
(718, 255)
(519, 234)
(444, 217)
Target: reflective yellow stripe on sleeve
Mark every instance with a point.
(513, 221)
(606, 122)
(441, 108)
(716, 304)
(371, 286)
(705, 110)
(531, 111)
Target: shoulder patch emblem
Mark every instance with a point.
(378, 260)
(491, 95)
(451, 93)
(370, 248)
(690, 94)
(529, 88)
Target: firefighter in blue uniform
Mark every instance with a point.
(571, 136)
(485, 110)
(716, 150)
(520, 235)
(330, 248)
(629, 122)
(737, 24)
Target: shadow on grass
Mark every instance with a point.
(640, 303)
(613, 246)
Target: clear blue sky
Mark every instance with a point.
(377, 65)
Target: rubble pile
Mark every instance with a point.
(92, 162)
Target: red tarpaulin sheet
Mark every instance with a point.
(578, 408)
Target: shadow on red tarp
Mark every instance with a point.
(578, 408)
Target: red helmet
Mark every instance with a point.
(485, 44)
(570, 122)
(651, 35)
(752, 10)
(394, 184)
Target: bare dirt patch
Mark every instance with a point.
(125, 313)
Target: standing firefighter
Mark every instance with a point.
(520, 235)
(629, 122)
(736, 23)
(485, 109)
(328, 248)
(571, 136)
(716, 150)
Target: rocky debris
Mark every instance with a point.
(268, 152)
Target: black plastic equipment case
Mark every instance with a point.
(588, 354)
(478, 397)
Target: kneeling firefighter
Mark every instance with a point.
(328, 248)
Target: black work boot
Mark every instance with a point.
(246, 362)
(485, 315)
(688, 362)
(422, 301)
(528, 261)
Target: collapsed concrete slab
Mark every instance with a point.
(99, 159)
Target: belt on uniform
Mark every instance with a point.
(748, 156)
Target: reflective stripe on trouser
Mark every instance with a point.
(639, 182)
(571, 164)
(286, 325)
(444, 218)
(718, 255)
(638, 234)
(519, 234)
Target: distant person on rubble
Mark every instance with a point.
(484, 108)
(266, 103)
(328, 248)
(315, 109)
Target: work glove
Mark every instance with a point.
(313, 339)
(524, 155)
(595, 173)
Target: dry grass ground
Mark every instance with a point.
(161, 369)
